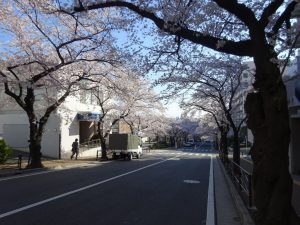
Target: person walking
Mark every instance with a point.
(75, 149)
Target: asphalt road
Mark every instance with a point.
(162, 188)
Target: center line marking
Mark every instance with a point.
(79, 190)
(210, 214)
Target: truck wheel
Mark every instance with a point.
(138, 155)
(130, 156)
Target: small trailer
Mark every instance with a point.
(125, 146)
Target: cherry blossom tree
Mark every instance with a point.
(189, 125)
(213, 113)
(176, 132)
(215, 88)
(48, 54)
(182, 129)
(149, 120)
(207, 127)
(106, 90)
(153, 123)
(125, 96)
(243, 28)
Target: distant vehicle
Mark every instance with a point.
(125, 146)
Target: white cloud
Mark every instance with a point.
(173, 110)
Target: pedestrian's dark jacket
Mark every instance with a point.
(75, 146)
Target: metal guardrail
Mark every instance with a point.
(89, 144)
(15, 161)
(241, 178)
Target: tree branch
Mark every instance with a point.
(239, 10)
(240, 48)
(269, 10)
(286, 15)
(12, 94)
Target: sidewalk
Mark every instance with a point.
(49, 164)
(230, 208)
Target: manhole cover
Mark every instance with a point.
(191, 181)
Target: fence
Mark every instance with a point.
(241, 178)
(15, 162)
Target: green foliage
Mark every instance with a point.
(5, 151)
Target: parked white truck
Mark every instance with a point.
(125, 146)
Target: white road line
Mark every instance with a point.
(78, 190)
(210, 214)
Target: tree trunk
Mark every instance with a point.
(35, 147)
(224, 145)
(35, 135)
(102, 141)
(103, 149)
(236, 147)
(35, 155)
(268, 120)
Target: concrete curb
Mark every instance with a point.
(238, 202)
(55, 166)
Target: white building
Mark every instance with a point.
(247, 79)
(291, 78)
(75, 118)
(292, 82)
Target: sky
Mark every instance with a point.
(173, 110)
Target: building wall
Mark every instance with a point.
(245, 87)
(292, 82)
(15, 131)
(50, 141)
(61, 129)
(295, 145)
(16, 135)
(71, 128)
(11, 118)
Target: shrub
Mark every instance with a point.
(5, 151)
